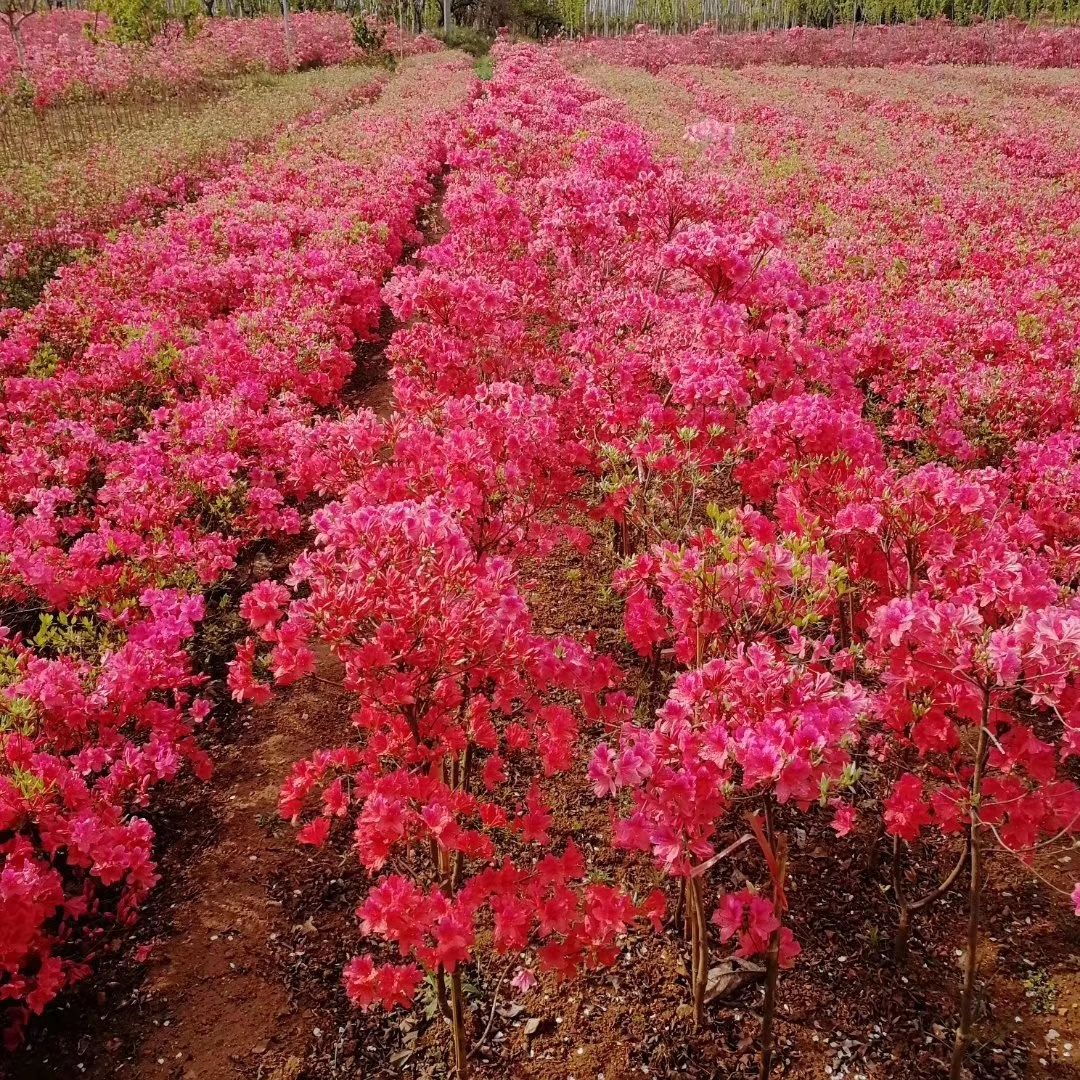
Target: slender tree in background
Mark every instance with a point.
(289, 50)
(14, 12)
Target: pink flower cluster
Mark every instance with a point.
(151, 404)
(69, 53)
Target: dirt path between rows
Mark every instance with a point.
(207, 1001)
(201, 992)
(214, 980)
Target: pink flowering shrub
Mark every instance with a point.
(819, 435)
(69, 204)
(757, 722)
(152, 402)
(932, 41)
(525, 376)
(69, 54)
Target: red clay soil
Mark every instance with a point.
(208, 1002)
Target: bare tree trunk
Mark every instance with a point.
(290, 51)
(14, 25)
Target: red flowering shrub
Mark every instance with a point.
(845, 514)
(64, 61)
(930, 41)
(456, 711)
(151, 404)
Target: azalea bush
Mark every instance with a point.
(71, 54)
(930, 41)
(795, 401)
(456, 708)
(148, 432)
(692, 361)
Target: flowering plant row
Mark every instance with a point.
(70, 202)
(150, 404)
(600, 340)
(897, 241)
(67, 54)
(922, 612)
(929, 41)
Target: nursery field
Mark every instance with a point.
(565, 574)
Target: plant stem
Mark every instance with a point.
(678, 919)
(903, 934)
(699, 946)
(967, 998)
(772, 974)
(440, 992)
(772, 963)
(457, 1018)
(908, 908)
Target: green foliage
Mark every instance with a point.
(143, 20)
(164, 363)
(79, 636)
(1041, 991)
(23, 290)
(219, 510)
(366, 37)
(17, 714)
(540, 18)
(44, 364)
(467, 39)
(767, 14)
(485, 68)
(29, 785)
